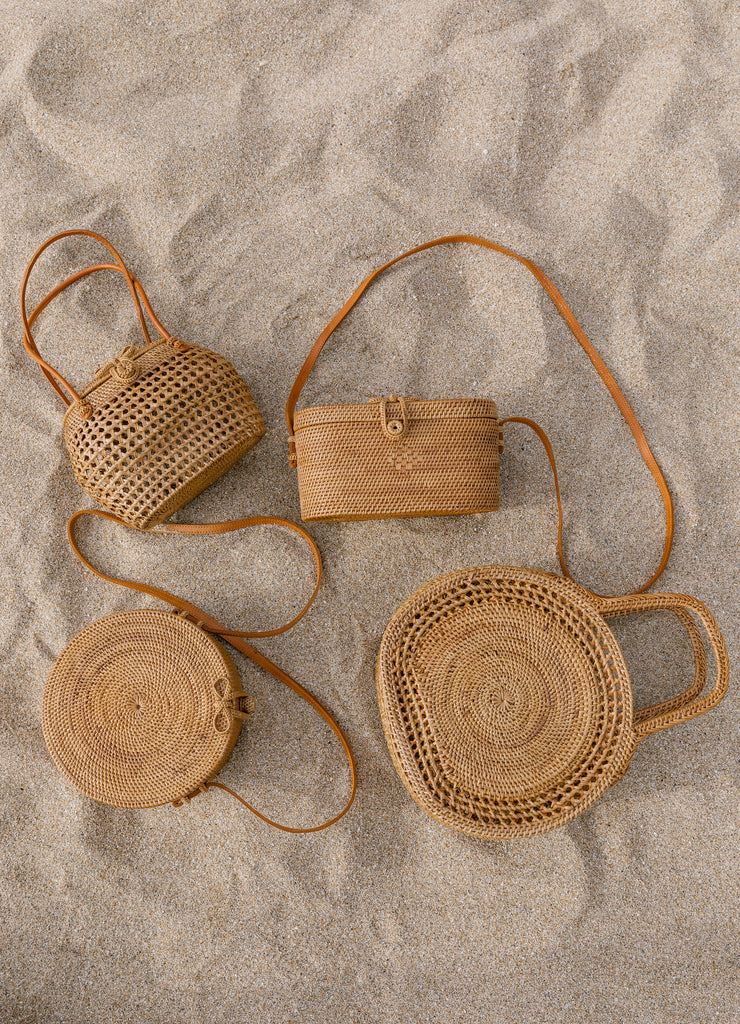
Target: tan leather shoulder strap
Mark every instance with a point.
(569, 317)
(553, 466)
(235, 637)
(62, 387)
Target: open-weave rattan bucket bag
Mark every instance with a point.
(143, 707)
(159, 423)
(506, 702)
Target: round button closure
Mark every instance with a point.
(124, 369)
(395, 426)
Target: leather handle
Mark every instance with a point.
(681, 708)
(575, 328)
(63, 388)
(236, 639)
(48, 371)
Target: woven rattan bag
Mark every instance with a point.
(159, 423)
(506, 702)
(407, 457)
(143, 707)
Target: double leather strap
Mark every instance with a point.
(569, 317)
(62, 387)
(237, 638)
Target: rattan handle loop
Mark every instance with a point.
(236, 640)
(655, 718)
(63, 388)
(567, 314)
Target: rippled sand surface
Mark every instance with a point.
(253, 162)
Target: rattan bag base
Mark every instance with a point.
(142, 708)
(506, 702)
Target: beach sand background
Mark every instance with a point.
(253, 162)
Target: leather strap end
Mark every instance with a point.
(292, 454)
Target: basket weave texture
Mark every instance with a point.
(157, 426)
(506, 702)
(389, 458)
(142, 708)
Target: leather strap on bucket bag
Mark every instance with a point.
(56, 380)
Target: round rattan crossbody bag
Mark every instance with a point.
(159, 422)
(143, 707)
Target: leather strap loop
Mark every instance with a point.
(394, 430)
(193, 530)
(234, 637)
(199, 529)
(569, 317)
(59, 383)
(48, 371)
(551, 458)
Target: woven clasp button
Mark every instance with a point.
(124, 370)
(231, 704)
(394, 429)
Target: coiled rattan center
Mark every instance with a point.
(505, 701)
(136, 710)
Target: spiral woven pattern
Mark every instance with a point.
(157, 427)
(505, 701)
(138, 709)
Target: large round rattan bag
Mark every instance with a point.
(506, 702)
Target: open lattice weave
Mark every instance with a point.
(157, 426)
(505, 700)
(142, 708)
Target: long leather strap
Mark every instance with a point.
(235, 637)
(569, 317)
(551, 458)
(62, 387)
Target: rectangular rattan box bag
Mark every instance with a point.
(401, 456)
(159, 422)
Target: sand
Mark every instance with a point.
(253, 162)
